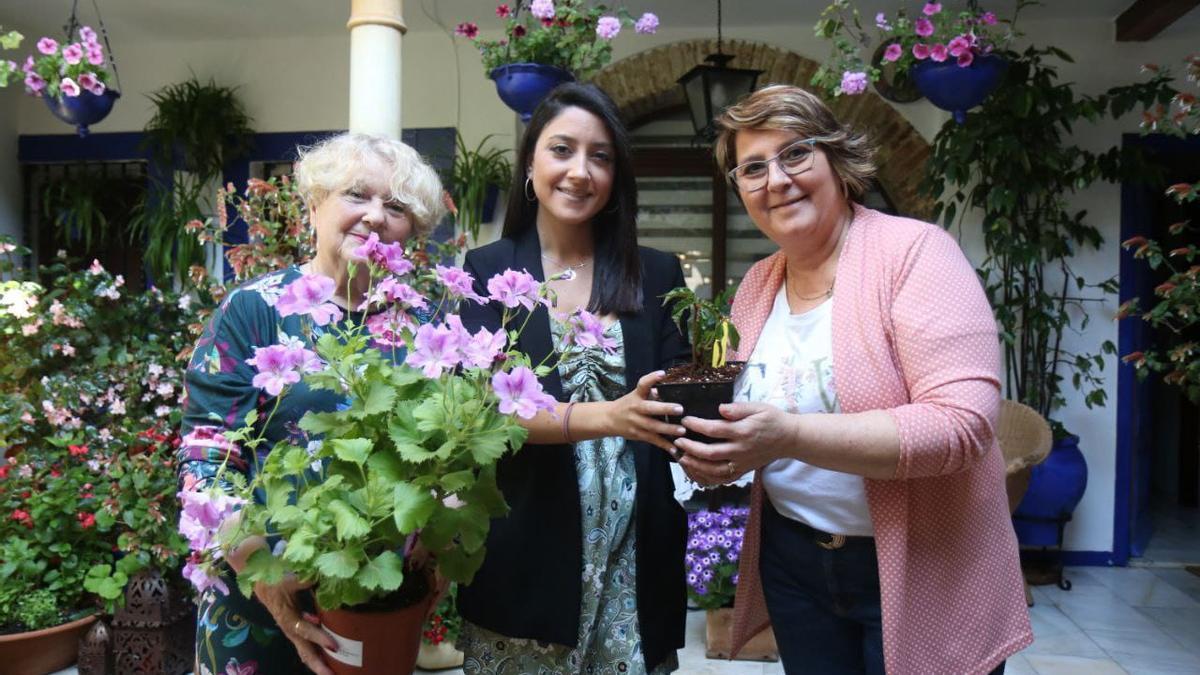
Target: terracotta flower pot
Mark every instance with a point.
(375, 642)
(718, 639)
(439, 657)
(38, 652)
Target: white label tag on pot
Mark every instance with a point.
(350, 652)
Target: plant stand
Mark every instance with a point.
(1048, 568)
(718, 639)
(155, 631)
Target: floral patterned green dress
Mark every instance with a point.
(609, 638)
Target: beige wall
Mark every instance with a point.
(10, 175)
(301, 84)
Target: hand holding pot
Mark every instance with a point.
(751, 436)
(638, 417)
(302, 629)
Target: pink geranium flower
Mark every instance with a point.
(482, 350)
(392, 290)
(893, 52)
(512, 288)
(435, 348)
(310, 295)
(608, 27)
(854, 83)
(47, 46)
(520, 393)
(458, 283)
(881, 22)
(647, 24)
(387, 327)
(280, 366)
(923, 27)
(542, 9)
(586, 330)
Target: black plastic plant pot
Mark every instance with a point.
(700, 399)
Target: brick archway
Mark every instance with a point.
(645, 83)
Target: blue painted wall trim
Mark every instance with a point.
(113, 147)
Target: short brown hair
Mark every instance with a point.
(789, 108)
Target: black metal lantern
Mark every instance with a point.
(713, 86)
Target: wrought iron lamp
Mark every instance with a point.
(713, 86)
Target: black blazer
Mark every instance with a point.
(531, 580)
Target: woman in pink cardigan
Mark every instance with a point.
(867, 406)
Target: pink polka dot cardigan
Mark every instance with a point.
(913, 335)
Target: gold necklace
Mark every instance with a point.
(828, 293)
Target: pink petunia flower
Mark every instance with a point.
(34, 83)
(29, 65)
(854, 82)
(458, 283)
(435, 348)
(646, 24)
(881, 22)
(959, 45)
(69, 87)
(95, 54)
(520, 393)
(87, 34)
(47, 46)
(893, 52)
(73, 53)
(87, 80)
(931, 8)
(965, 59)
(988, 18)
(920, 51)
(467, 29)
(512, 288)
(938, 52)
(542, 9)
(310, 295)
(923, 27)
(608, 27)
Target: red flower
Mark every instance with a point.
(4, 471)
(1136, 358)
(77, 450)
(466, 29)
(86, 520)
(22, 517)
(518, 31)
(55, 473)
(1180, 189)
(547, 22)
(503, 11)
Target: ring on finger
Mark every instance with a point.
(729, 472)
(296, 627)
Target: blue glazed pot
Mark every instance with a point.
(82, 110)
(1055, 488)
(956, 89)
(523, 85)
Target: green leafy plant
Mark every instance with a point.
(197, 127)
(278, 234)
(473, 174)
(706, 323)
(1178, 297)
(569, 34)
(1013, 162)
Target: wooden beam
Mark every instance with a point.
(1146, 18)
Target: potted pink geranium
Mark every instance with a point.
(951, 56)
(73, 77)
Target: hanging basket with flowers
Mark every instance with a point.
(546, 43)
(951, 57)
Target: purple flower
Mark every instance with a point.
(88, 81)
(854, 83)
(938, 52)
(893, 52)
(959, 45)
(542, 9)
(585, 330)
(931, 8)
(310, 295)
(881, 22)
(965, 59)
(920, 51)
(34, 83)
(95, 54)
(28, 66)
(201, 579)
(648, 23)
(87, 35)
(280, 365)
(511, 288)
(608, 27)
(458, 283)
(988, 18)
(483, 348)
(73, 53)
(923, 27)
(47, 46)
(203, 514)
(521, 393)
(435, 348)
(387, 327)
(393, 291)
(69, 87)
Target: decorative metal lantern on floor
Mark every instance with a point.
(95, 651)
(713, 86)
(154, 631)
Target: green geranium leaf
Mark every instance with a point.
(409, 444)
(453, 482)
(412, 505)
(353, 450)
(300, 547)
(339, 564)
(261, 566)
(320, 422)
(288, 516)
(350, 524)
(378, 400)
(488, 446)
(460, 566)
(384, 573)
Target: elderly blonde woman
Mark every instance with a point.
(879, 536)
(353, 186)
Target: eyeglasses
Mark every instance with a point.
(795, 159)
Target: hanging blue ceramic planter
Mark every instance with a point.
(958, 89)
(82, 110)
(1055, 488)
(523, 85)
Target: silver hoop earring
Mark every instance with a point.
(529, 184)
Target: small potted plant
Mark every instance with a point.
(950, 56)
(476, 177)
(72, 77)
(439, 635)
(704, 383)
(546, 43)
(714, 546)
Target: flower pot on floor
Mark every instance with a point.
(375, 641)
(38, 652)
(1055, 487)
(700, 391)
(441, 656)
(522, 86)
(718, 639)
(952, 87)
(82, 110)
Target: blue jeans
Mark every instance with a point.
(824, 604)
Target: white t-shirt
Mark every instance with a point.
(792, 369)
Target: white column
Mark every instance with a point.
(376, 31)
